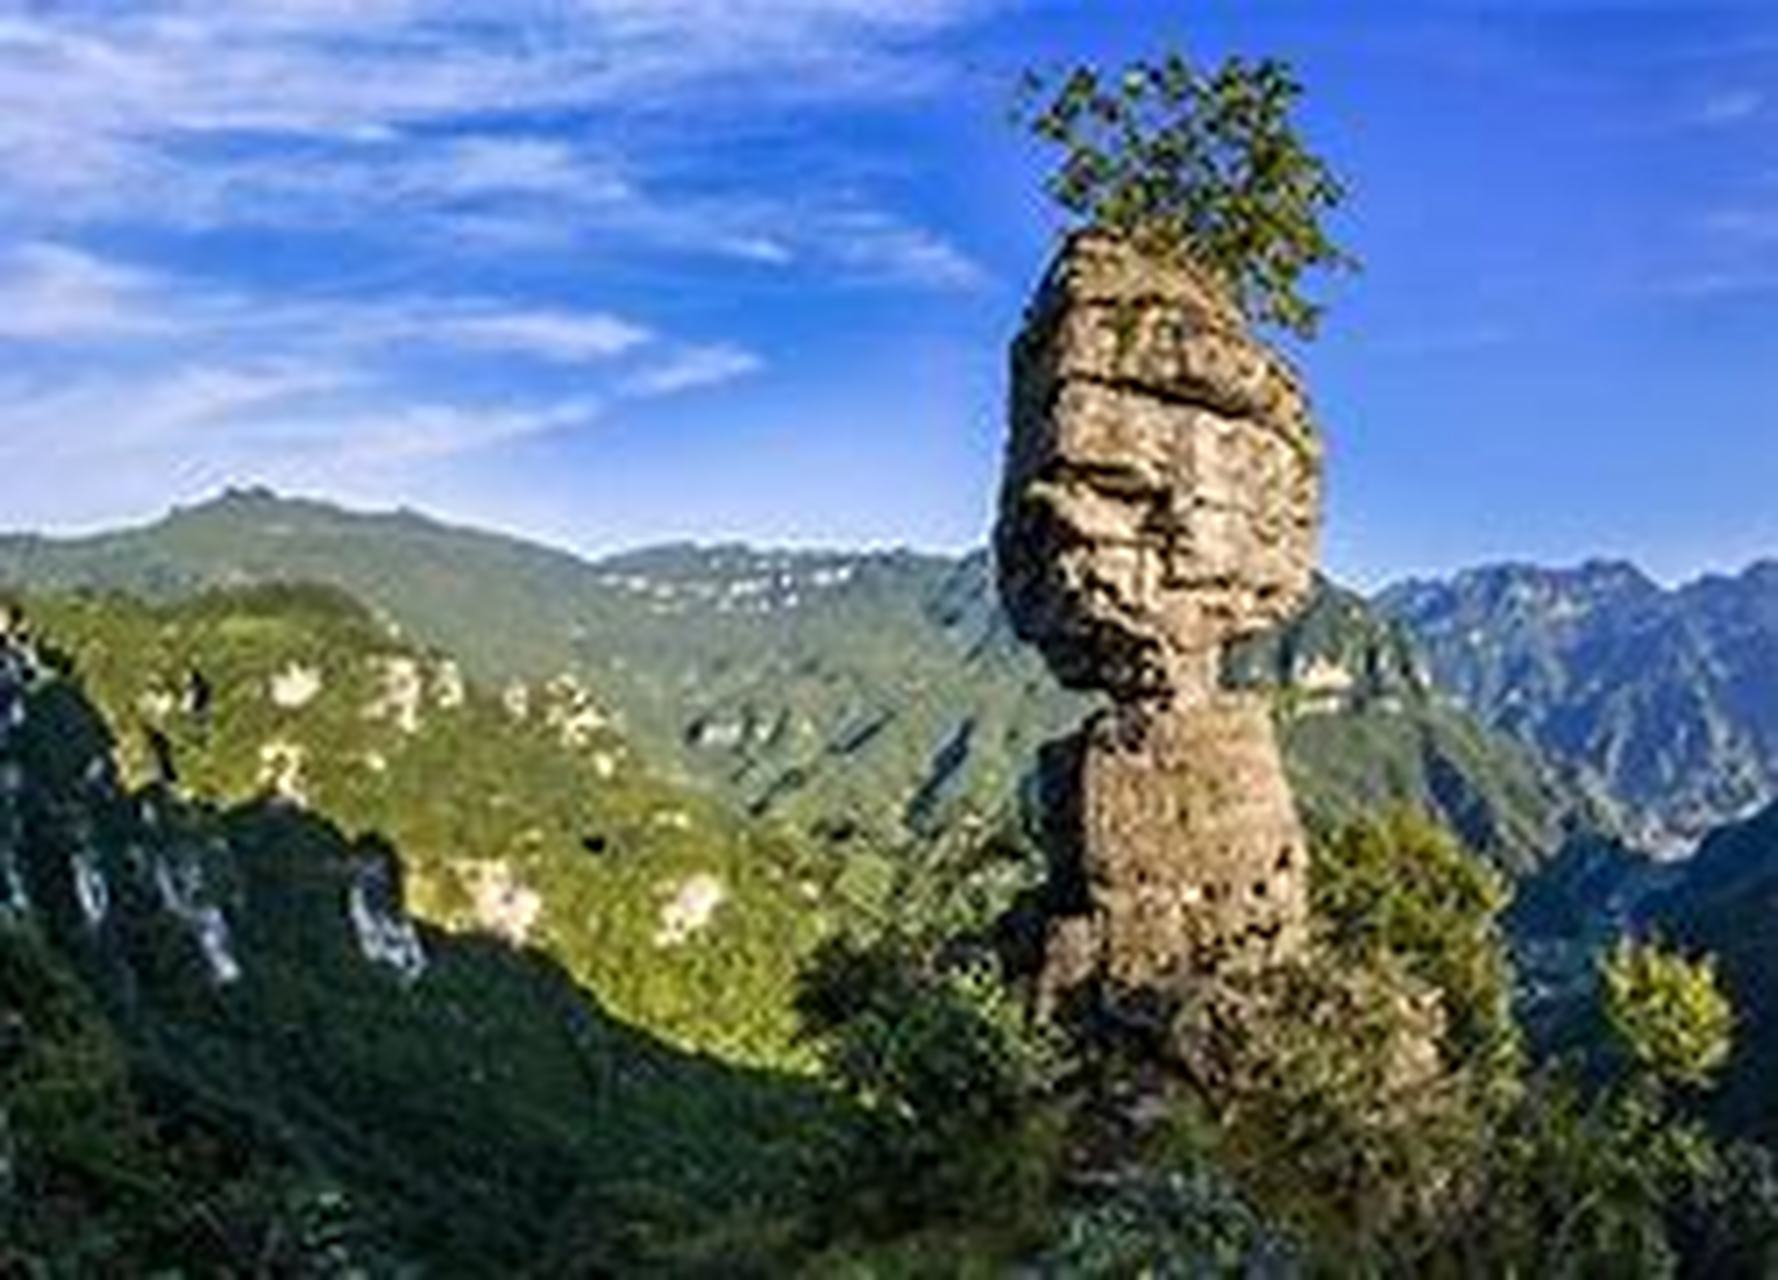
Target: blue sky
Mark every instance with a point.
(614, 271)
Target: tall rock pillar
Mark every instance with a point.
(1161, 499)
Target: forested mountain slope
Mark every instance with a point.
(856, 699)
(340, 956)
(1666, 698)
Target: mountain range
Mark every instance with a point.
(386, 892)
(1664, 700)
(858, 701)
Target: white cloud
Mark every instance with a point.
(565, 128)
(693, 368)
(51, 291)
(75, 450)
(1730, 106)
(395, 118)
(379, 436)
(481, 165)
(875, 246)
(1744, 223)
(564, 337)
(54, 424)
(107, 106)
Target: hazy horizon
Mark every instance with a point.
(711, 541)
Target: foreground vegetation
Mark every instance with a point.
(831, 1073)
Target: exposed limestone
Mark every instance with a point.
(295, 687)
(281, 767)
(690, 910)
(90, 888)
(184, 895)
(402, 695)
(156, 705)
(504, 905)
(1161, 500)
(385, 935)
(449, 688)
(673, 819)
(1322, 675)
(1162, 480)
(571, 712)
(15, 682)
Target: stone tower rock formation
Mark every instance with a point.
(1161, 499)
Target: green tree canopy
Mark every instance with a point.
(1208, 164)
(1668, 1012)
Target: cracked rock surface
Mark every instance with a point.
(1161, 499)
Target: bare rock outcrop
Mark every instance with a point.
(1161, 499)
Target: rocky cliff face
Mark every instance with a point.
(1665, 700)
(1161, 501)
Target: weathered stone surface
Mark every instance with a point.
(1202, 781)
(1161, 499)
(1182, 848)
(1161, 494)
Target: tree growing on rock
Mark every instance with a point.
(1208, 164)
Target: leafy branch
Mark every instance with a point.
(1207, 165)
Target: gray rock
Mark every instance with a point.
(1161, 500)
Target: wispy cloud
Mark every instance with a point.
(190, 375)
(76, 450)
(693, 368)
(1721, 283)
(446, 187)
(46, 423)
(326, 111)
(877, 247)
(1729, 106)
(378, 436)
(52, 292)
(263, 416)
(561, 336)
(1744, 223)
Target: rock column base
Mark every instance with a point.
(1191, 860)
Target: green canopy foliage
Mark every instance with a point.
(1668, 1012)
(1208, 164)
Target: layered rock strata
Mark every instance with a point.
(1161, 500)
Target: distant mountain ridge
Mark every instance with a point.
(860, 699)
(1666, 699)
